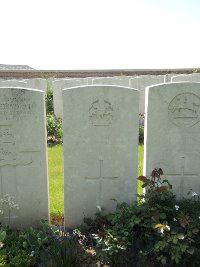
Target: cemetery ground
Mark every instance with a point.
(161, 231)
(56, 180)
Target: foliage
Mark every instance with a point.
(29, 247)
(54, 129)
(49, 101)
(158, 231)
(141, 127)
(54, 124)
(13, 253)
(141, 134)
(61, 247)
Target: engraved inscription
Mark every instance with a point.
(101, 113)
(9, 156)
(184, 109)
(7, 143)
(17, 105)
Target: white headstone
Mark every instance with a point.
(186, 78)
(172, 134)
(13, 83)
(168, 78)
(38, 83)
(23, 156)
(60, 84)
(119, 80)
(89, 80)
(141, 82)
(100, 130)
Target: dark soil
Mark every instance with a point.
(86, 257)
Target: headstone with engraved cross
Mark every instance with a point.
(100, 179)
(172, 134)
(23, 162)
(100, 129)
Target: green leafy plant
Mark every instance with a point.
(159, 230)
(61, 247)
(54, 129)
(49, 101)
(13, 254)
(48, 246)
(141, 127)
(141, 134)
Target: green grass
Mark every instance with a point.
(56, 179)
(140, 166)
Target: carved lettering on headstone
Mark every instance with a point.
(18, 106)
(184, 108)
(101, 113)
(7, 143)
(9, 156)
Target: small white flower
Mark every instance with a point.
(181, 236)
(99, 208)
(199, 217)
(175, 220)
(1, 244)
(167, 227)
(32, 253)
(176, 207)
(194, 194)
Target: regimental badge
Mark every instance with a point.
(184, 109)
(101, 113)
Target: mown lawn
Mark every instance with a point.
(56, 178)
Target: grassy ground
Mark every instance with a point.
(140, 166)
(56, 180)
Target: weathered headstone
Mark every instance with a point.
(23, 156)
(168, 78)
(186, 78)
(38, 83)
(141, 82)
(60, 84)
(120, 81)
(13, 83)
(172, 134)
(100, 130)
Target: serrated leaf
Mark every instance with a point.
(2, 235)
(144, 185)
(190, 251)
(162, 215)
(24, 244)
(195, 231)
(163, 260)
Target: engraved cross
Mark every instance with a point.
(182, 176)
(100, 180)
(9, 156)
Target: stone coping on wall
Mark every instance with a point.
(18, 74)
